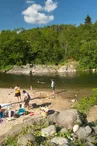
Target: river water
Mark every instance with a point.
(80, 83)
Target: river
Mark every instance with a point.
(78, 84)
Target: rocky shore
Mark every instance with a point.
(64, 128)
(44, 69)
(68, 68)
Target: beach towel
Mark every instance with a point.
(21, 111)
(32, 114)
(5, 105)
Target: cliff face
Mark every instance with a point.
(43, 69)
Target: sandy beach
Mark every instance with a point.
(38, 97)
(41, 98)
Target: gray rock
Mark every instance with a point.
(26, 139)
(65, 144)
(63, 130)
(90, 144)
(68, 118)
(52, 117)
(48, 131)
(44, 69)
(92, 139)
(81, 133)
(59, 140)
(95, 129)
(88, 130)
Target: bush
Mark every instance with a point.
(87, 102)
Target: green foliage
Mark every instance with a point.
(86, 103)
(11, 141)
(6, 68)
(88, 52)
(65, 134)
(78, 143)
(54, 44)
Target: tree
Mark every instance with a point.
(89, 54)
(88, 20)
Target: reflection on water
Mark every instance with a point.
(62, 81)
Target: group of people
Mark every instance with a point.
(27, 98)
(21, 110)
(25, 93)
(11, 113)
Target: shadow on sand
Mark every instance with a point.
(34, 105)
(61, 91)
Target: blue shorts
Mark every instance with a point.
(53, 88)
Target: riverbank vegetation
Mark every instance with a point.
(54, 44)
(86, 103)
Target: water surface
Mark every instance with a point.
(70, 80)
(80, 83)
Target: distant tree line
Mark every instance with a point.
(54, 44)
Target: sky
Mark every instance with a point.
(39, 13)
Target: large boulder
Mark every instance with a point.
(83, 132)
(68, 118)
(26, 139)
(48, 131)
(59, 140)
(52, 117)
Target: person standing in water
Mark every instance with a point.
(53, 86)
(17, 92)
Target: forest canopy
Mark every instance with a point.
(54, 44)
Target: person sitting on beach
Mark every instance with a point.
(17, 92)
(26, 99)
(1, 113)
(21, 110)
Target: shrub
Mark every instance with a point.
(87, 102)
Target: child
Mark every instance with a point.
(53, 86)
